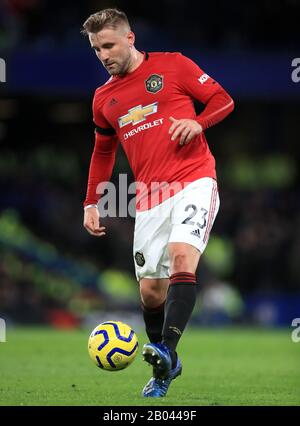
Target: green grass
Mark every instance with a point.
(220, 367)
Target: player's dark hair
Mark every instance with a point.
(104, 18)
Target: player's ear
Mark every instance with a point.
(131, 38)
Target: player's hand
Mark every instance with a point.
(184, 128)
(91, 222)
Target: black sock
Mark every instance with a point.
(178, 308)
(154, 320)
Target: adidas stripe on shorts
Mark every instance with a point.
(186, 217)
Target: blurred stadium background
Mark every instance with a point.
(51, 270)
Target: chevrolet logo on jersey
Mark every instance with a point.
(137, 114)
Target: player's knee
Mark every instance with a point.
(180, 262)
(151, 301)
(151, 298)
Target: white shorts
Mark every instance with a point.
(186, 217)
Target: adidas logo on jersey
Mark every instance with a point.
(196, 232)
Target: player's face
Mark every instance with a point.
(113, 48)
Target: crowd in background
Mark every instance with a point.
(255, 241)
(45, 153)
(216, 24)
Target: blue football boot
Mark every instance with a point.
(158, 355)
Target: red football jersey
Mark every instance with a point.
(137, 107)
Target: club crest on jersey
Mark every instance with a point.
(139, 258)
(137, 114)
(154, 83)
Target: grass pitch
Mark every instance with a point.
(41, 366)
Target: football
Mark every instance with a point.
(113, 345)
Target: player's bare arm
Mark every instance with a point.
(91, 221)
(184, 128)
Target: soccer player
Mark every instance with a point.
(147, 106)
